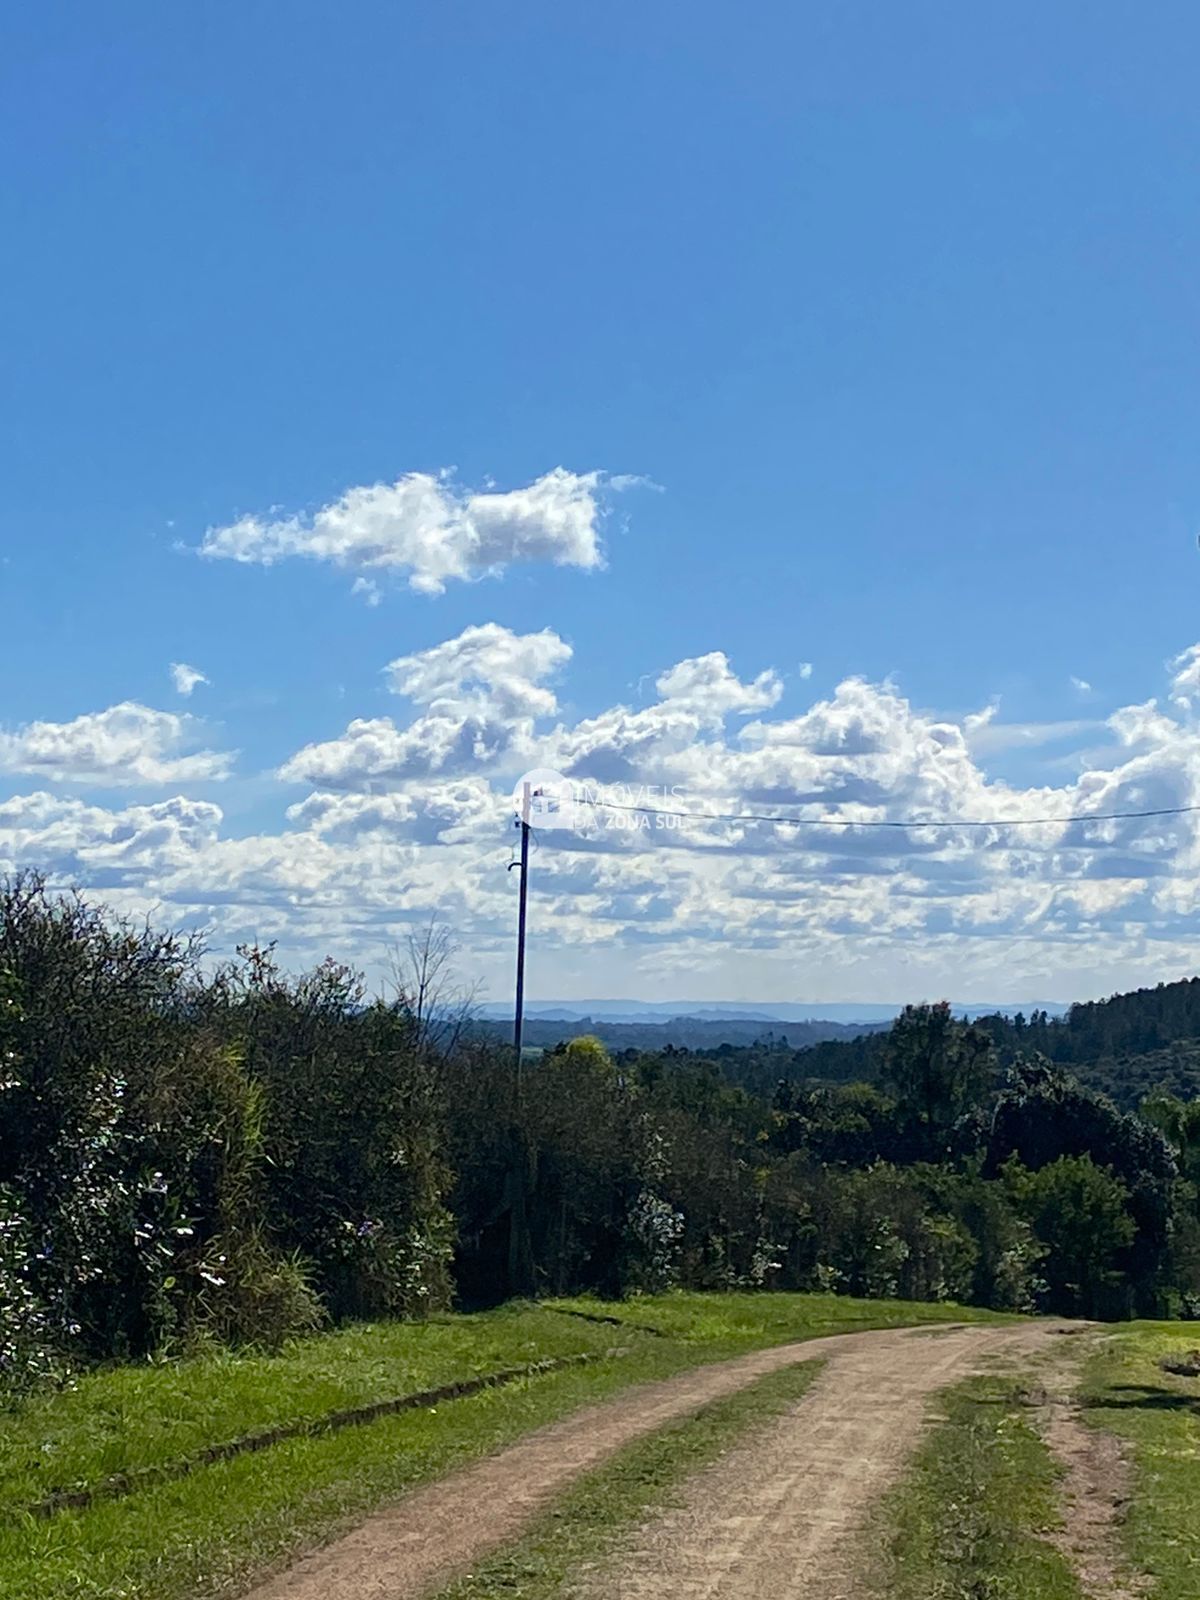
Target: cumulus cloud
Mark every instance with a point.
(410, 815)
(488, 665)
(707, 684)
(127, 744)
(430, 812)
(430, 530)
(186, 678)
(696, 697)
(479, 695)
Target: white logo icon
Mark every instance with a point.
(545, 799)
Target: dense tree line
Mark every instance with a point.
(1125, 1046)
(192, 1153)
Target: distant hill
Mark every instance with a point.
(702, 1033)
(1124, 1046)
(651, 1025)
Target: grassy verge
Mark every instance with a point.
(749, 1321)
(1158, 1415)
(587, 1524)
(128, 1419)
(206, 1534)
(965, 1523)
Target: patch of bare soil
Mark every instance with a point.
(1095, 1492)
(785, 1515)
(799, 1494)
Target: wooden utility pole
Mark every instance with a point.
(519, 1013)
(520, 1268)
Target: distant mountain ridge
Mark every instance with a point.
(716, 1011)
(682, 1032)
(1125, 1045)
(654, 1025)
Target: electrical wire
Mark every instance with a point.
(907, 822)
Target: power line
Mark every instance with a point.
(907, 822)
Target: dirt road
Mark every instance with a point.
(789, 1503)
(784, 1516)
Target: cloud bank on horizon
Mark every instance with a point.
(396, 818)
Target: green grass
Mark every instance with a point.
(966, 1523)
(748, 1321)
(207, 1533)
(588, 1522)
(1158, 1416)
(126, 1419)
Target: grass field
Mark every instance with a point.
(1157, 1414)
(967, 1521)
(206, 1533)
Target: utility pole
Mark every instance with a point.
(519, 1013)
(520, 1266)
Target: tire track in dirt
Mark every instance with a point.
(848, 1437)
(786, 1515)
(1095, 1491)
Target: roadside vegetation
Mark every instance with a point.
(1144, 1386)
(126, 1421)
(207, 1532)
(235, 1202)
(970, 1519)
(130, 1420)
(230, 1156)
(730, 1322)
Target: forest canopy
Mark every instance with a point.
(193, 1152)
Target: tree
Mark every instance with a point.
(428, 990)
(1080, 1213)
(354, 1172)
(1043, 1114)
(837, 1124)
(1179, 1123)
(940, 1071)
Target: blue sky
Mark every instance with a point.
(888, 315)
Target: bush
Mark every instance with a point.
(183, 1155)
(29, 1354)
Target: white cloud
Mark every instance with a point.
(485, 665)
(805, 669)
(480, 695)
(431, 530)
(987, 736)
(707, 685)
(367, 587)
(136, 852)
(1080, 685)
(1185, 682)
(697, 696)
(127, 744)
(403, 817)
(186, 678)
